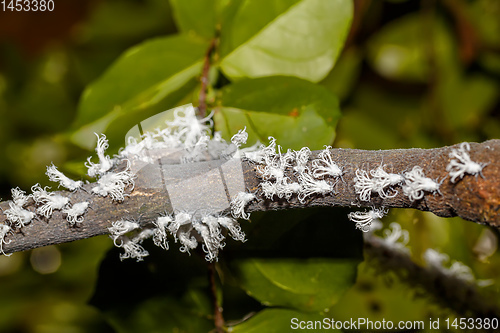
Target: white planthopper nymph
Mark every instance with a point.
(114, 184)
(120, 228)
(132, 249)
(4, 230)
(16, 214)
(311, 186)
(461, 163)
(180, 219)
(105, 162)
(233, 150)
(416, 184)
(363, 185)
(160, 233)
(240, 138)
(397, 237)
(238, 204)
(325, 166)
(437, 260)
(19, 197)
(196, 152)
(187, 127)
(269, 189)
(211, 242)
(58, 177)
(188, 242)
(384, 180)
(364, 220)
(301, 159)
(233, 227)
(259, 155)
(190, 229)
(275, 166)
(381, 183)
(75, 212)
(49, 201)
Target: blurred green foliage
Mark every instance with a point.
(298, 112)
(404, 73)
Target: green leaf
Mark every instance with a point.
(308, 285)
(305, 260)
(343, 78)
(467, 99)
(283, 321)
(296, 112)
(400, 50)
(161, 314)
(297, 38)
(234, 33)
(109, 21)
(149, 78)
(379, 119)
(196, 16)
(483, 15)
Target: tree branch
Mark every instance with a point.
(202, 103)
(474, 198)
(218, 318)
(461, 296)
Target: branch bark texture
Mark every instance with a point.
(461, 296)
(474, 198)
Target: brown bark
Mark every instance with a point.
(463, 297)
(202, 103)
(474, 198)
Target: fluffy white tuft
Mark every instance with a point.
(114, 184)
(49, 201)
(437, 260)
(238, 204)
(4, 230)
(301, 159)
(240, 138)
(19, 197)
(120, 228)
(105, 162)
(233, 227)
(461, 163)
(18, 215)
(311, 186)
(325, 166)
(381, 183)
(75, 212)
(259, 156)
(160, 233)
(132, 249)
(58, 177)
(416, 184)
(397, 237)
(364, 219)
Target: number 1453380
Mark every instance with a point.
(27, 5)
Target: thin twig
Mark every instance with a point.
(218, 318)
(474, 198)
(468, 38)
(460, 296)
(202, 104)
